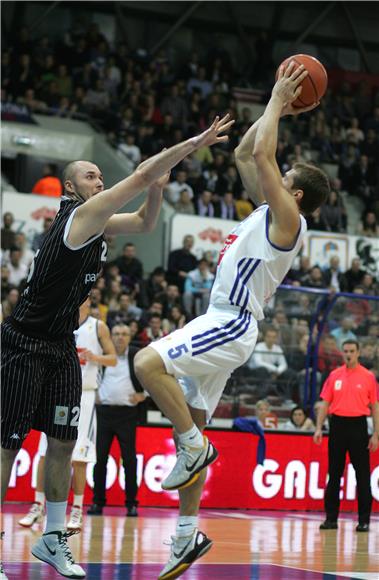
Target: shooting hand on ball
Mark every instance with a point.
(288, 86)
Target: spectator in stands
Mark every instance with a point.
(363, 180)
(244, 207)
(329, 356)
(10, 302)
(173, 189)
(97, 303)
(369, 226)
(226, 209)
(7, 233)
(156, 283)
(184, 205)
(49, 184)
(153, 331)
(18, 271)
(130, 267)
(265, 416)
(204, 205)
(197, 289)
(175, 105)
(301, 273)
(112, 295)
(5, 286)
(315, 279)
(333, 276)
(370, 287)
(358, 309)
(124, 313)
(299, 421)
(354, 133)
(181, 261)
(169, 298)
(199, 81)
(302, 308)
(333, 213)
(344, 332)
(27, 255)
(347, 166)
(369, 355)
(269, 366)
(283, 328)
(176, 319)
(131, 150)
(354, 275)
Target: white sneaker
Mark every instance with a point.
(34, 516)
(53, 549)
(76, 519)
(181, 557)
(3, 575)
(190, 462)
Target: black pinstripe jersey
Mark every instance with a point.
(59, 280)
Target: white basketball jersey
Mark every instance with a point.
(86, 337)
(250, 266)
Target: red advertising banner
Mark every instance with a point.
(293, 476)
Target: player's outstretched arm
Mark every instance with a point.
(91, 218)
(284, 209)
(109, 357)
(145, 218)
(246, 165)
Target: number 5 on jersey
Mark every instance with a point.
(177, 351)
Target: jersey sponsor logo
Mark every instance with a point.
(90, 278)
(15, 436)
(61, 415)
(228, 242)
(337, 385)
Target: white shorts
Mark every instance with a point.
(204, 353)
(85, 447)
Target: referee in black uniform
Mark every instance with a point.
(40, 374)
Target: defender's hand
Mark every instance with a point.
(212, 135)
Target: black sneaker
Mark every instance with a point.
(328, 525)
(131, 511)
(95, 510)
(182, 558)
(362, 528)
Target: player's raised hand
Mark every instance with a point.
(160, 183)
(213, 134)
(289, 109)
(288, 85)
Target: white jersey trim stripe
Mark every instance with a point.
(67, 231)
(223, 331)
(228, 338)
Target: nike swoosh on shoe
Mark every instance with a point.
(53, 553)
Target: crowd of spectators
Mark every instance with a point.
(145, 103)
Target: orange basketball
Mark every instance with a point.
(314, 85)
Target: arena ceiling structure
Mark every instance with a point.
(347, 25)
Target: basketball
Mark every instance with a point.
(314, 85)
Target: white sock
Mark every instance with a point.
(78, 501)
(191, 438)
(55, 516)
(39, 497)
(186, 526)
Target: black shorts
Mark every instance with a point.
(41, 387)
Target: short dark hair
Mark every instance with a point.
(351, 341)
(314, 184)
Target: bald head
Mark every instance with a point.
(82, 180)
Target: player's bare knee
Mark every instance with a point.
(147, 364)
(60, 448)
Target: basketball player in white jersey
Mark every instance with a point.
(185, 372)
(95, 349)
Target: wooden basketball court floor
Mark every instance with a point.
(248, 545)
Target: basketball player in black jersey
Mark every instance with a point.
(41, 378)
